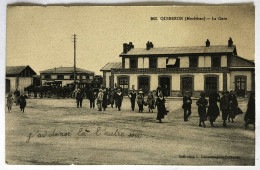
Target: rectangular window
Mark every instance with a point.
(152, 62)
(91, 77)
(72, 77)
(193, 60)
(60, 77)
(47, 76)
(133, 62)
(67, 77)
(215, 61)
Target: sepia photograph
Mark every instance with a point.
(130, 85)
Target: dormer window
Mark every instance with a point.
(193, 60)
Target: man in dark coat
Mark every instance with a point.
(250, 113)
(119, 99)
(233, 106)
(132, 96)
(224, 107)
(105, 99)
(213, 110)
(187, 105)
(22, 101)
(112, 97)
(79, 97)
(92, 98)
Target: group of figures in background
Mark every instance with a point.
(106, 97)
(209, 110)
(18, 99)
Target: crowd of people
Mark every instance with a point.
(207, 109)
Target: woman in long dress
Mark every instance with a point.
(213, 110)
(202, 105)
(250, 113)
(160, 104)
(140, 101)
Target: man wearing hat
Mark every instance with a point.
(119, 99)
(224, 107)
(100, 99)
(187, 105)
(132, 96)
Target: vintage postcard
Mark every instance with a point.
(130, 85)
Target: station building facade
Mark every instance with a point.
(178, 69)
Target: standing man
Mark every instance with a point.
(79, 96)
(132, 96)
(224, 107)
(187, 105)
(105, 99)
(119, 99)
(100, 100)
(111, 97)
(92, 98)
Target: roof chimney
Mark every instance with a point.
(149, 45)
(230, 42)
(131, 45)
(207, 43)
(125, 48)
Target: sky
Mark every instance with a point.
(42, 37)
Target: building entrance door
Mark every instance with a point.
(187, 85)
(165, 85)
(124, 84)
(144, 84)
(7, 86)
(240, 87)
(211, 85)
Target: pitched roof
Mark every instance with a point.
(15, 70)
(181, 50)
(111, 65)
(66, 70)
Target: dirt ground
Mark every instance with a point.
(54, 131)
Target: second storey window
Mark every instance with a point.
(152, 62)
(215, 61)
(193, 61)
(60, 77)
(47, 76)
(133, 62)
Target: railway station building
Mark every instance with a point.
(178, 69)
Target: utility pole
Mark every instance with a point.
(75, 75)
